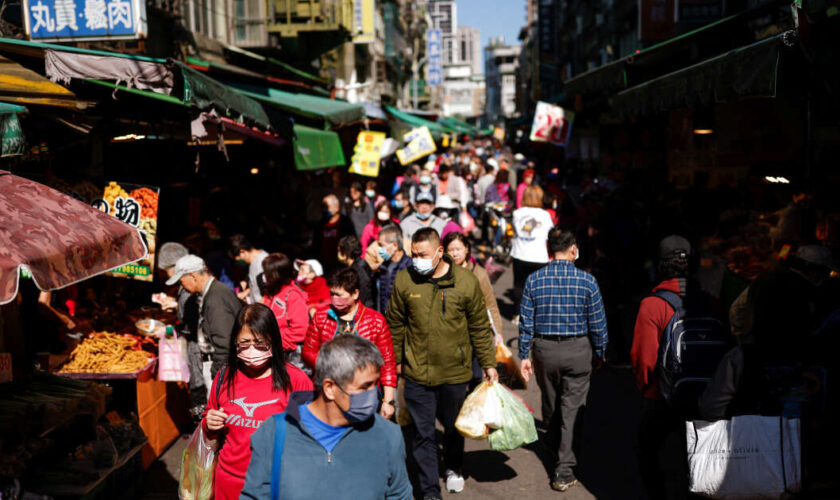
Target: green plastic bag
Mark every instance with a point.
(518, 428)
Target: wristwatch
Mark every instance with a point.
(391, 402)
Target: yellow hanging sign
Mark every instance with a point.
(420, 144)
(366, 154)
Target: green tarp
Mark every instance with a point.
(435, 128)
(12, 141)
(315, 149)
(748, 71)
(206, 92)
(334, 113)
(461, 127)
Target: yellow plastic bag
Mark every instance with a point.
(481, 410)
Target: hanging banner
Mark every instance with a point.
(137, 206)
(12, 142)
(552, 124)
(61, 20)
(420, 144)
(366, 154)
(363, 30)
(434, 57)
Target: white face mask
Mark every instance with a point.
(383, 216)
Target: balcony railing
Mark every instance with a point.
(294, 16)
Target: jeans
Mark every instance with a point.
(562, 368)
(425, 404)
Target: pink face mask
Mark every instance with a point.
(300, 279)
(254, 358)
(341, 303)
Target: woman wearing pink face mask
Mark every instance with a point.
(348, 316)
(254, 385)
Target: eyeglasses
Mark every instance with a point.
(260, 346)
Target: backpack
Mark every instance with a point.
(690, 349)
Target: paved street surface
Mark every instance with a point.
(607, 467)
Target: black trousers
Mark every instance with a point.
(661, 451)
(521, 270)
(425, 404)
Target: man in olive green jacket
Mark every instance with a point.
(437, 316)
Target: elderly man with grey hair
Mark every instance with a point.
(392, 251)
(331, 443)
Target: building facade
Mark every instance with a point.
(500, 65)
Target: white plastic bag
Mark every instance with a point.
(172, 359)
(481, 409)
(745, 457)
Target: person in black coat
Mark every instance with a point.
(350, 254)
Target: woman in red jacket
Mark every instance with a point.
(286, 300)
(254, 385)
(348, 316)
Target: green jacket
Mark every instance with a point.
(437, 326)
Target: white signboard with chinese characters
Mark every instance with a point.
(420, 144)
(552, 124)
(62, 20)
(434, 57)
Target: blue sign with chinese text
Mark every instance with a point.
(434, 57)
(84, 19)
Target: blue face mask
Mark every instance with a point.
(423, 266)
(362, 406)
(425, 179)
(398, 204)
(423, 216)
(384, 254)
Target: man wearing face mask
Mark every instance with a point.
(348, 316)
(331, 443)
(426, 185)
(438, 319)
(395, 260)
(562, 314)
(423, 217)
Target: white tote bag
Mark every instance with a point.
(746, 457)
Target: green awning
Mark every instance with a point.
(460, 126)
(749, 71)
(334, 113)
(206, 92)
(315, 149)
(276, 62)
(435, 128)
(6, 108)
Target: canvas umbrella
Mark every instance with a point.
(58, 238)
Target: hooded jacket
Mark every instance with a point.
(436, 324)
(368, 462)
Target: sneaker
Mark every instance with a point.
(515, 320)
(454, 481)
(558, 484)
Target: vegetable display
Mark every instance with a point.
(106, 352)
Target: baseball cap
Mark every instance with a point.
(673, 243)
(493, 163)
(444, 201)
(169, 253)
(518, 157)
(186, 265)
(424, 197)
(316, 266)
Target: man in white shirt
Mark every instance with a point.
(243, 250)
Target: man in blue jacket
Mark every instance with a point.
(331, 443)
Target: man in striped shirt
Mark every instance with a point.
(562, 320)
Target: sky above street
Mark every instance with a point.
(493, 18)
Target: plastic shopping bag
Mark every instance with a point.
(748, 456)
(509, 365)
(198, 468)
(518, 428)
(481, 409)
(172, 359)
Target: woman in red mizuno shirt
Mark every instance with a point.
(254, 385)
(348, 316)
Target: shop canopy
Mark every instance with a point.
(12, 141)
(316, 149)
(333, 112)
(413, 121)
(206, 92)
(459, 126)
(59, 239)
(749, 71)
(373, 111)
(24, 86)
(270, 61)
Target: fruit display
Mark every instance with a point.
(105, 352)
(148, 200)
(112, 192)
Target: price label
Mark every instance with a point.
(5, 367)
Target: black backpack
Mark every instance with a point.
(689, 351)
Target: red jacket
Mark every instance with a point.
(368, 323)
(317, 293)
(654, 314)
(289, 307)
